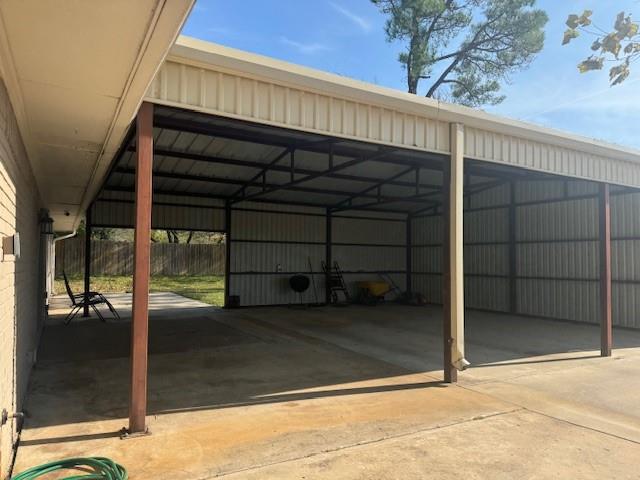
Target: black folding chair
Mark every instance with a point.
(79, 300)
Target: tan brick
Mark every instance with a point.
(18, 278)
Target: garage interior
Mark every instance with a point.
(288, 200)
(547, 272)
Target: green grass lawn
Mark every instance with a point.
(206, 288)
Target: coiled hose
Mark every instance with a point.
(95, 468)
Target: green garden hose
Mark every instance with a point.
(95, 468)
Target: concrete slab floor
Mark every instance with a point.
(340, 393)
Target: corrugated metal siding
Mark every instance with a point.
(556, 253)
(115, 209)
(269, 239)
(370, 245)
(269, 243)
(367, 231)
(238, 95)
(356, 258)
(257, 290)
(567, 220)
(625, 259)
(496, 147)
(426, 256)
(571, 300)
(243, 95)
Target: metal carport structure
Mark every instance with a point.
(231, 134)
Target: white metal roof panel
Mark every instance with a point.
(225, 82)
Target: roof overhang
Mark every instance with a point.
(76, 73)
(221, 81)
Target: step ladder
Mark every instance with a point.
(335, 283)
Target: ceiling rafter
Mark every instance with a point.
(382, 152)
(197, 157)
(179, 194)
(254, 183)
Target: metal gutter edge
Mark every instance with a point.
(130, 101)
(204, 54)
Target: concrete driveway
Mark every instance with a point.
(341, 393)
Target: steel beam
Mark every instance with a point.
(409, 257)
(87, 261)
(227, 259)
(513, 291)
(604, 214)
(421, 199)
(196, 157)
(328, 255)
(260, 184)
(429, 161)
(379, 154)
(262, 173)
(375, 186)
(141, 272)
(222, 197)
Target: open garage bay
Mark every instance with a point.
(295, 393)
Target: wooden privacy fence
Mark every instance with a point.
(116, 258)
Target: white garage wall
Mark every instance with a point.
(270, 243)
(116, 209)
(367, 247)
(556, 252)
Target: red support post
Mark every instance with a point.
(142, 253)
(604, 214)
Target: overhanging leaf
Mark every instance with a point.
(569, 35)
(592, 63)
(611, 44)
(619, 74)
(585, 18)
(573, 21)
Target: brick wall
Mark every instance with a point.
(19, 312)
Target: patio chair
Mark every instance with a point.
(92, 299)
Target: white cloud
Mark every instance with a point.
(361, 22)
(306, 48)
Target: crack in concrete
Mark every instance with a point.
(364, 443)
(544, 414)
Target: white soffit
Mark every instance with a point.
(76, 72)
(210, 78)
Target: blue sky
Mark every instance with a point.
(347, 37)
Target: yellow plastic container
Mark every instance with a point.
(376, 289)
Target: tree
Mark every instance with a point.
(620, 46)
(97, 233)
(466, 48)
(174, 236)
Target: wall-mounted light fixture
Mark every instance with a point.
(46, 225)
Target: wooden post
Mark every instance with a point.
(87, 261)
(141, 272)
(453, 261)
(604, 213)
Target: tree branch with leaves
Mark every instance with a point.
(466, 49)
(619, 47)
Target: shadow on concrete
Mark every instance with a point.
(216, 359)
